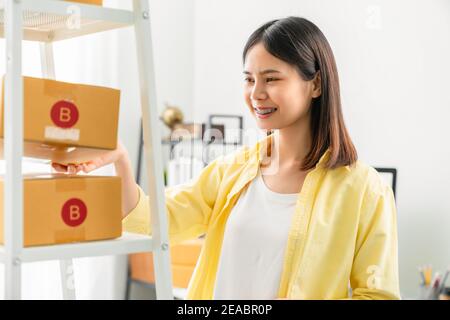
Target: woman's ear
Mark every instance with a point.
(317, 85)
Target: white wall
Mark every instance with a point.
(173, 43)
(393, 59)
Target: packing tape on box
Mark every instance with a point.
(66, 236)
(64, 99)
(76, 184)
(60, 90)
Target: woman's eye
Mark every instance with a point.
(248, 80)
(271, 79)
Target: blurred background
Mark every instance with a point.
(394, 66)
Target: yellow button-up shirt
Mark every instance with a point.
(344, 229)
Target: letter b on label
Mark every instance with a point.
(64, 114)
(74, 212)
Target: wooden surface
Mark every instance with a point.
(183, 256)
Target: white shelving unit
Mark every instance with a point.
(47, 21)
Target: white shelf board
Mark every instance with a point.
(128, 243)
(52, 20)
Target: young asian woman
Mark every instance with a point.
(295, 216)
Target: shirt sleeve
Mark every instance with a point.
(188, 206)
(374, 272)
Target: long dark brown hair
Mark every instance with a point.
(300, 43)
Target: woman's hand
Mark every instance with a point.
(119, 157)
(113, 156)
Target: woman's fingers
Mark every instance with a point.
(75, 168)
(88, 166)
(59, 167)
(72, 168)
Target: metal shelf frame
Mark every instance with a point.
(46, 21)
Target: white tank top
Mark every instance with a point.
(254, 242)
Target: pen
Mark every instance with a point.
(442, 286)
(422, 276)
(426, 274)
(429, 273)
(436, 279)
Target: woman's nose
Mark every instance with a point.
(258, 92)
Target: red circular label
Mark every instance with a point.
(74, 212)
(64, 114)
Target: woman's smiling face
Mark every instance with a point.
(274, 91)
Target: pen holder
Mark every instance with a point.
(428, 293)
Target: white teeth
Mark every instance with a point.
(265, 111)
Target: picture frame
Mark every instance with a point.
(390, 176)
(232, 127)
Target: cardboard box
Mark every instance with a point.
(64, 115)
(96, 2)
(60, 208)
(183, 256)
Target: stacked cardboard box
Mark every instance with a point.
(67, 123)
(59, 208)
(59, 116)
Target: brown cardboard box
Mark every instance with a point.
(63, 115)
(183, 256)
(97, 2)
(60, 208)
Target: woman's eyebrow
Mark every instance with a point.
(264, 71)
